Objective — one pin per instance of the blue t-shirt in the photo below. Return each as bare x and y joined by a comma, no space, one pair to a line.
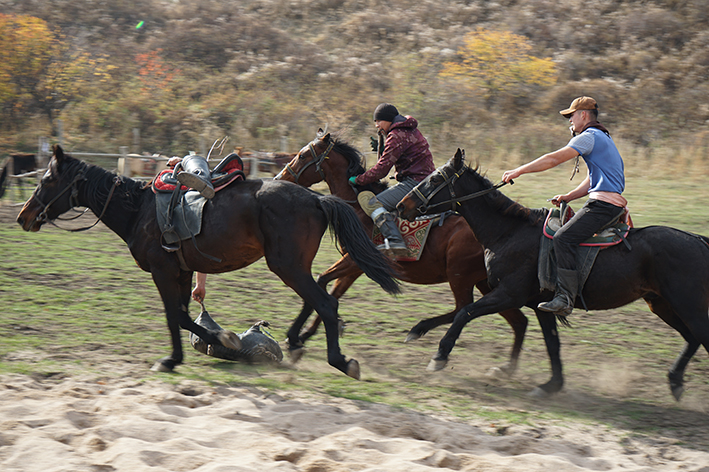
604,163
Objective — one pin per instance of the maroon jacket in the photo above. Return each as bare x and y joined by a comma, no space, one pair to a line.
407,150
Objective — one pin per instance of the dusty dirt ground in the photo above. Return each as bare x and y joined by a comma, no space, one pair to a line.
600,386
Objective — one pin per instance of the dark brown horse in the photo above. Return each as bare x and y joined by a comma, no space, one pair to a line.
666,267
451,253
242,223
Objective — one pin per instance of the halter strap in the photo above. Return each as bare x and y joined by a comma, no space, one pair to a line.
449,180
317,159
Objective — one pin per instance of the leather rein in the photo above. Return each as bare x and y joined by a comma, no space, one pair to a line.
449,181
73,201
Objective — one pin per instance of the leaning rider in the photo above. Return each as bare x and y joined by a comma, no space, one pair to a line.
402,146
604,184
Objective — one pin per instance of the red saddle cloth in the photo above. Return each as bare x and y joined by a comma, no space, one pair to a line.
414,233
233,170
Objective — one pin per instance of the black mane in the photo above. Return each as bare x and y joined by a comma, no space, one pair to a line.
355,166
504,204
99,182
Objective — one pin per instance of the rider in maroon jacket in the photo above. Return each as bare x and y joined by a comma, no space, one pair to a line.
402,146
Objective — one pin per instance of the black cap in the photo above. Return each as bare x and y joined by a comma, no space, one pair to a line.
385,112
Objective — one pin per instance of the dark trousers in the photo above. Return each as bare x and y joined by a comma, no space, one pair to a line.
590,219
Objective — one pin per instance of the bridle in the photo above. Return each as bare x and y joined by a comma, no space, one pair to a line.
317,160
449,181
73,202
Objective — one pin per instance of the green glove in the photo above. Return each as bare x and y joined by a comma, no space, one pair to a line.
352,180
374,142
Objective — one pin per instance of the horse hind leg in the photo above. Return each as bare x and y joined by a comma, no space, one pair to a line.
675,376
341,285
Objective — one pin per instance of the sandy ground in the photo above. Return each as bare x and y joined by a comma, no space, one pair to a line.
80,424
132,422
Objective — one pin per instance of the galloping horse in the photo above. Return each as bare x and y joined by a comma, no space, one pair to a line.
666,267
451,254
242,223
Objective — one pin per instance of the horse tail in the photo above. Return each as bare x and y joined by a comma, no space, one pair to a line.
350,235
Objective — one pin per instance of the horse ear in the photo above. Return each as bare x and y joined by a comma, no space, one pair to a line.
58,152
320,132
326,138
459,157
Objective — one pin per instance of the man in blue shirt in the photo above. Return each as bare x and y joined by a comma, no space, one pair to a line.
604,185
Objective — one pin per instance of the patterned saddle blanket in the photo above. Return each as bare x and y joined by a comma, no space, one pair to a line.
415,234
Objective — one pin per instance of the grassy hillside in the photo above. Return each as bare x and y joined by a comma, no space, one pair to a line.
257,70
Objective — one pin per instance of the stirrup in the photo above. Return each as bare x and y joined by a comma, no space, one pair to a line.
196,182
555,305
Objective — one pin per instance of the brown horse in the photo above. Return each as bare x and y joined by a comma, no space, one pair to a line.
452,254
245,221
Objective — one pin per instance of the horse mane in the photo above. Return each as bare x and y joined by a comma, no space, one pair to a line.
355,166
504,204
99,182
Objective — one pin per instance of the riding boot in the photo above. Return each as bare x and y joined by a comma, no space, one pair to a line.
567,284
196,175
393,241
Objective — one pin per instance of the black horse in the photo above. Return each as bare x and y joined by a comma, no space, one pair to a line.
242,223
666,267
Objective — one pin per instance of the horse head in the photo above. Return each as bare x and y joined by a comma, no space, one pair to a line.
435,191
312,156
55,194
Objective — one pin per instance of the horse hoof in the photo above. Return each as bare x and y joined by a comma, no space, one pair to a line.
230,340
412,337
436,365
677,392
539,393
296,354
160,367
353,369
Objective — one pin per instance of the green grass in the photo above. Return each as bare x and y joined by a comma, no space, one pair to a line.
76,303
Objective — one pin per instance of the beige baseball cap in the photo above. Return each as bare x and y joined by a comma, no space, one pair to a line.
581,103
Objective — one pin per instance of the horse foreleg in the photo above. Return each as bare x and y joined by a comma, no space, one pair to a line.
547,321
518,322
341,285
175,293
495,301
461,282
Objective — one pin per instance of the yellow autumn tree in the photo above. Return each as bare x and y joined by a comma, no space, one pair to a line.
499,62
40,71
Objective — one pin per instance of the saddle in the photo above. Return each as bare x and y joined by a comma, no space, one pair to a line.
228,170
170,196
614,233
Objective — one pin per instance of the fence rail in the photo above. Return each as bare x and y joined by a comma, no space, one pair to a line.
135,166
